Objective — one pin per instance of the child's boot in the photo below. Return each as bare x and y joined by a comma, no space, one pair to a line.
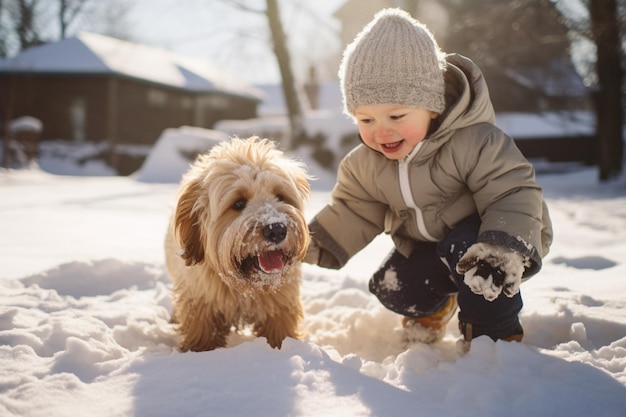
513,332
431,328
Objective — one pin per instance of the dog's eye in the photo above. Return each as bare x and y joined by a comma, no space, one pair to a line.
240,204
280,197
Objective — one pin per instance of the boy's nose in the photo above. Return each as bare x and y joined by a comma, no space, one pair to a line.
383,131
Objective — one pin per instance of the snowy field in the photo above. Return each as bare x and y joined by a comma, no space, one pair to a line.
85,305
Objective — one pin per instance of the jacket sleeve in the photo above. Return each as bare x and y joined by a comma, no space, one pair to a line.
507,197
351,221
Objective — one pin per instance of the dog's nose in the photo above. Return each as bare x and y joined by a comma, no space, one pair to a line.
275,232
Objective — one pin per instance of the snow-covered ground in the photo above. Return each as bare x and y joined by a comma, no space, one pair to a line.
85,305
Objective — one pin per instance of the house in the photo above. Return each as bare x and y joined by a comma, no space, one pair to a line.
96,88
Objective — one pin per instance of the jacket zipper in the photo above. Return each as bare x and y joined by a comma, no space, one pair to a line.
407,195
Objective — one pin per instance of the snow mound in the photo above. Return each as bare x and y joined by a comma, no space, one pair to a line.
111,350
174,151
90,279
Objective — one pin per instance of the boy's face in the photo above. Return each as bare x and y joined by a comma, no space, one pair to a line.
393,129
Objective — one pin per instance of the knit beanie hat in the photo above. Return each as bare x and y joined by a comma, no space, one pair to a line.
395,59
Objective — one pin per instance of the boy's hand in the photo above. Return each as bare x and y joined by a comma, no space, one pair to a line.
491,269
313,253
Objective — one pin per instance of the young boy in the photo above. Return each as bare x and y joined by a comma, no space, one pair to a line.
459,200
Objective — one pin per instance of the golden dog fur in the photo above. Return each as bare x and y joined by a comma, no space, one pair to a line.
235,243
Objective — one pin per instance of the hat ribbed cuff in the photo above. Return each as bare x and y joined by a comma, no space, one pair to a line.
426,97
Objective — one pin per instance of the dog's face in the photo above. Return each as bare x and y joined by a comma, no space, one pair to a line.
241,211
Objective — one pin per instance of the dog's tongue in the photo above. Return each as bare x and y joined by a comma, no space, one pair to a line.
271,261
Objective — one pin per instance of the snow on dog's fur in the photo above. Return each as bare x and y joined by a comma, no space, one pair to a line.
235,243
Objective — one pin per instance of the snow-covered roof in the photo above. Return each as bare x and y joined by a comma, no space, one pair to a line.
558,78
546,124
90,53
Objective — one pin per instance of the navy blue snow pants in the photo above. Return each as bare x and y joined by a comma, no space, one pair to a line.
421,284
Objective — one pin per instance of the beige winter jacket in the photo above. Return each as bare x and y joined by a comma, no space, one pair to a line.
466,166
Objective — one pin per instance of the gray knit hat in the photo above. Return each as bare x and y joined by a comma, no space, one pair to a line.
395,59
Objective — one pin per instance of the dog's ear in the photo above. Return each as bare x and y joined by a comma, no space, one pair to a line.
187,225
303,186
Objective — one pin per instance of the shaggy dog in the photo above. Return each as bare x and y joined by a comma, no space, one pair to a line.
235,243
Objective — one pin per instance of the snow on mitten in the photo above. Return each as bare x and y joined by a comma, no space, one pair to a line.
491,269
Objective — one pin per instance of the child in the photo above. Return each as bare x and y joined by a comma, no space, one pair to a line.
456,195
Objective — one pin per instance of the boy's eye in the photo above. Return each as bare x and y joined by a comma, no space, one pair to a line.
366,121
397,117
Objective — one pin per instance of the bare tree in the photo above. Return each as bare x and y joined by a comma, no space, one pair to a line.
605,32
24,15
25,23
522,47
3,30
69,10
279,41
283,58
603,26
504,37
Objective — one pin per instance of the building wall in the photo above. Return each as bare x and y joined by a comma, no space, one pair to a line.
100,108
54,100
144,110
212,108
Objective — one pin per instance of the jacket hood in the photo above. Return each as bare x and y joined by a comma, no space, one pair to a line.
467,103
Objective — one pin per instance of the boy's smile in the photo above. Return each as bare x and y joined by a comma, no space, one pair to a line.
392,147
393,129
